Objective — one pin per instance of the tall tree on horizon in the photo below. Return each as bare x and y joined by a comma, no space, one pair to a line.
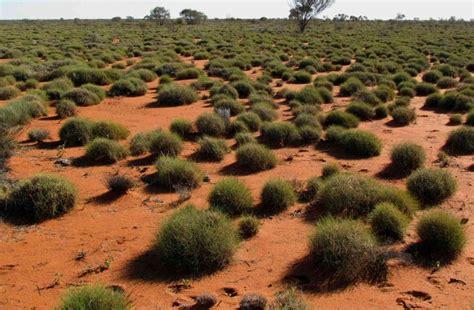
159,14
304,10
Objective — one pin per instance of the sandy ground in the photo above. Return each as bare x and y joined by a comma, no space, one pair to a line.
39,263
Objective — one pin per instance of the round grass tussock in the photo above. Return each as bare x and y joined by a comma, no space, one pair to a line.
231,196
407,157
94,297
174,173
82,97
76,131
196,242
164,143
182,127
360,143
330,170
341,118
351,86
251,120
255,157
461,141
277,195
175,95
431,186
248,226
362,110
403,116
109,130
211,124
388,223
105,151
129,87
212,149
66,108
41,197
442,237
280,134
242,138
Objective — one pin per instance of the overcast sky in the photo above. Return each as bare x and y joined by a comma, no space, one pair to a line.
91,9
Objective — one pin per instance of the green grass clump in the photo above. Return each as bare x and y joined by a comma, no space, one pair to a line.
41,197
403,116
140,144
212,149
97,90
346,251
431,186
425,89
66,108
109,130
455,119
309,96
277,195
407,157
432,76
330,170
341,118
175,95
248,226
8,92
289,299
82,97
470,118
251,120
311,189
94,297
280,134
188,74
196,242
233,106
38,135
57,88
360,143
174,173
254,157
76,131
264,111
461,141
164,143
301,77
388,223
105,150
182,127
244,88
211,124
143,74
351,86
129,87
361,110
442,237
231,196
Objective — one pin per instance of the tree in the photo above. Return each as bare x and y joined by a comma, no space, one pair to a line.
304,10
192,17
116,19
400,17
159,14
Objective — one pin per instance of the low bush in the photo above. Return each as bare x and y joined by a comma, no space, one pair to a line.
309,95
82,97
182,127
196,242
94,297
446,82
432,76
309,135
174,173
66,108
129,87
433,101
384,93
403,116
301,77
442,237
225,89
231,197
311,189
119,183
8,92
97,90
243,138
280,134
346,251
431,186
243,88
461,140
253,302
206,300
109,130
387,222
211,124
455,119
212,149
381,111
341,118
265,112
188,74
288,299
164,143
38,135
360,143
255,157
277,195
334,133
175,95
362,110
330,170
425,89
470,118
232,105
140,144
143,74
105,150
407,157
57,88
76,131
351,86
41,197
248,226
251,120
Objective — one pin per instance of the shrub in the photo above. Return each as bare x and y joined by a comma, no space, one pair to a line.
360,143
105,150
66,108
265,112
109,130
280,134
84,75
362,110
288,299
243,88
182,127
431,186
470,118
433,101
330,170
351,86
76,131
196,242
346,251
425,89
8,92
243,138
305,119
248,226
309,134
311,189
341,118
455,119
253,302
231,197
119,183
255,157
334,133
309,95
57,88
212,149
140,144
175,94
461,140
211,124
251,120
174,173
407,92
442,237
95,297
407,157
97,90
384,93
403,116
446,82
225,89
277,195
165,144
206,300
129,87
381,111
432,76
41,197
387,222
301,77
143,74
82,97
233,106
38,135
188,74
28,84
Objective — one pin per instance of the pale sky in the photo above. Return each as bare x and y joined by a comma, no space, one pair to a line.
95,9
